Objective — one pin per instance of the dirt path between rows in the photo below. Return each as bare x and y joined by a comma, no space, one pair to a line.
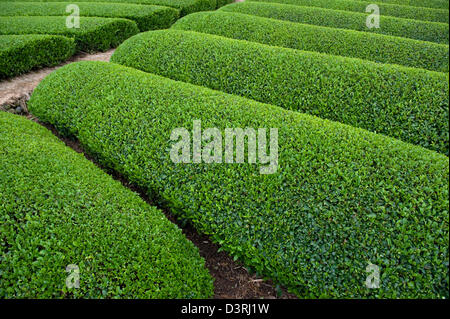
16,91
232,280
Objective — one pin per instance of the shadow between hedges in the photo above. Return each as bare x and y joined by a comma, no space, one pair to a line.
231,279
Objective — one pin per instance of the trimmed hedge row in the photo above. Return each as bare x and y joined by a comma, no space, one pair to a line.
374,47
185,6
394,10
407,28
341,197
94,34
440,4
62,210
405,103
147,17
21,53
221,3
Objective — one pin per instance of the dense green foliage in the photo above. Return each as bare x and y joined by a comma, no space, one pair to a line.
147,17
341,197
21,53
221,3
405,103
442,4
185,6
394,10
407,28
94,33
369,46
57,208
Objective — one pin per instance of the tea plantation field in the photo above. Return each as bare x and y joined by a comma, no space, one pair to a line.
354,175
102,25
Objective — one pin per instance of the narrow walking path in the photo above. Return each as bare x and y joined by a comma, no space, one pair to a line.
232,280
16,91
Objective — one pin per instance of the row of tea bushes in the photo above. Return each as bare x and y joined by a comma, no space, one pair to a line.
221,3
21,53
58,209
340,198
102,25
363,45
147,17
394,10
405,103
94,34
407,28
440,4
185,6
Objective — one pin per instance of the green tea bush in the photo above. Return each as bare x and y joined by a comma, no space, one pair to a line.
21,53
94,34
341,197
369,46
57,209
387,9
406,28
442,4
185,6
147,17
405,103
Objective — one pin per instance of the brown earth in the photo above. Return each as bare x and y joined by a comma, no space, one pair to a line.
16,91
232,280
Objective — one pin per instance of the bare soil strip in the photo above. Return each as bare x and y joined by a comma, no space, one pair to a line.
16,91
232,280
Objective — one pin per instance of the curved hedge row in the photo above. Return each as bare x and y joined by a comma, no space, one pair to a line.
393,10
147,17
341,197
21,53
409,104
221,3
407,28
441,4
374,47
61,210
185,6
94,34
